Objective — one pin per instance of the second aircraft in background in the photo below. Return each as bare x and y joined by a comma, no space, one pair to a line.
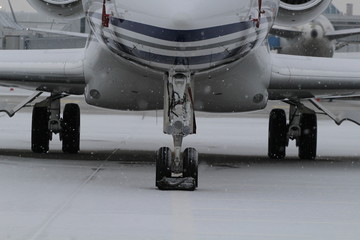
316,38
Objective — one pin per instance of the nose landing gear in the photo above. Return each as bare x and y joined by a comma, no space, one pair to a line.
178,171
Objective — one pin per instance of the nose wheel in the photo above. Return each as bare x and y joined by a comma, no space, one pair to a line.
190,164
168,180
163,162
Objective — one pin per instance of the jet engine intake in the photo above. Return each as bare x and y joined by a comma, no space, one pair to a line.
299,12
63,9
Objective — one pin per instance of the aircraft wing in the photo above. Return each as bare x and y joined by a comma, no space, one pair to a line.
347,55
43,70
342,33
299,77
59,32
285,32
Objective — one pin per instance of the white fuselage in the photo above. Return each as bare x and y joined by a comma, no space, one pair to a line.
213,40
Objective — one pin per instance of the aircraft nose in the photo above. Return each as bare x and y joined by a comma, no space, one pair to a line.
181,20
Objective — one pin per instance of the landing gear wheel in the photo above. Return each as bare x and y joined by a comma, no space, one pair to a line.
163,163
71,129
277,134
190,164
308,138
40,134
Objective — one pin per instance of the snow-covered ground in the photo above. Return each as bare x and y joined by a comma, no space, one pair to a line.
107,191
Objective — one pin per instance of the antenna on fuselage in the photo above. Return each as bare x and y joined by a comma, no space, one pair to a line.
260,11
105,17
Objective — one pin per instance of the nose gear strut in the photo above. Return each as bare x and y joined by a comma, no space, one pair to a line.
178,171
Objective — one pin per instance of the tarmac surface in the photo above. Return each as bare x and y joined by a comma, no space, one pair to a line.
107,191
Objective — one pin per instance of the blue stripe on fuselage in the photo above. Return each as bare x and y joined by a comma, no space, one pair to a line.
178,35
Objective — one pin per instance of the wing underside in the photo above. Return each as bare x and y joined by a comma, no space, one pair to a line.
298,77
285,32
43,70
342,33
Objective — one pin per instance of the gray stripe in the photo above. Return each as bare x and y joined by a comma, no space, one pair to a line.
168,58
259,35
156,66
205,47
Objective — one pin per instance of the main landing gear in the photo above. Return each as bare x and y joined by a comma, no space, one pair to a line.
178,171
46,121
302,128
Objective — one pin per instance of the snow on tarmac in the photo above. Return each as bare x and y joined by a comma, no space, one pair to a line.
107,191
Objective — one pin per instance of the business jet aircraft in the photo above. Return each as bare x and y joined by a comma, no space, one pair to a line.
316,38
182,56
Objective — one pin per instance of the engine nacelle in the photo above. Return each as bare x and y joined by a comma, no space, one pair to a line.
64,9
298,12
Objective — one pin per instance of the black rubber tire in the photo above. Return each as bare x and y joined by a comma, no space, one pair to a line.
71,128
163,164
40,134
308,138
277,134
190,164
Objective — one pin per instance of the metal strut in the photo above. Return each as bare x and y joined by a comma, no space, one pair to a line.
179,116
10,111
178,171
53,105
295,112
